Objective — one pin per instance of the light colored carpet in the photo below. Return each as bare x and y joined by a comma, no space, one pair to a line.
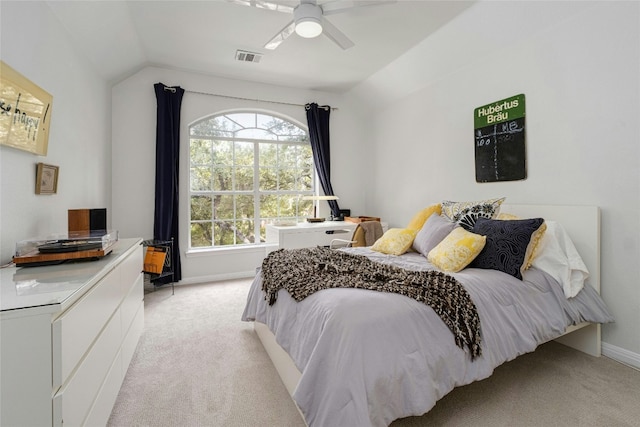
197,364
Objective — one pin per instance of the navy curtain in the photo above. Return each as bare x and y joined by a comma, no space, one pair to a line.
165,220
318,123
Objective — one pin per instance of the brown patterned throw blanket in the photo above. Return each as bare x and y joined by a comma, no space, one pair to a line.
302,272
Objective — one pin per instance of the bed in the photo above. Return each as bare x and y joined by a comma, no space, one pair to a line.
365,358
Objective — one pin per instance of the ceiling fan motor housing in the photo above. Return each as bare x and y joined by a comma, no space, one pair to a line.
308,14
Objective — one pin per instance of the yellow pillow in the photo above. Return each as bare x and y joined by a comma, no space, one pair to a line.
507,216
421,217
395,241
534,244
457,250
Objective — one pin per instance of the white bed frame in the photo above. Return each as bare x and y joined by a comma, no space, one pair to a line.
582,223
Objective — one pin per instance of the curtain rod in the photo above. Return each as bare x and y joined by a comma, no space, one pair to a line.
249,99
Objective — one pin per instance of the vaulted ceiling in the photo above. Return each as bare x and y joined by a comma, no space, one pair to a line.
122,37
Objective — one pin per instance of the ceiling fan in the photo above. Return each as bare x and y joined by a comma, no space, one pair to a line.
309,18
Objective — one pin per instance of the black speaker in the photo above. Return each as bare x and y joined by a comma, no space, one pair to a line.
98,220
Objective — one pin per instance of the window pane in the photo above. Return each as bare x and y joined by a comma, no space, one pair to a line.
200,179
282,128
269,206
244,153
268,179
223,233
244,207
243,120
306,157
293,138
287,179
222,179
223,207
244,232
200,152
287,155
287,205
222,123
201,208
263,230
255,134
266,122
305,208
200,234
305,180
223,152
295,130
244,179
268,154
207,128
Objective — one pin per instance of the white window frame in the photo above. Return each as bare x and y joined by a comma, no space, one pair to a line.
256,192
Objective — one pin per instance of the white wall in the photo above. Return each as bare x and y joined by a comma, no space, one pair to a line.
33,43
134,121
578,65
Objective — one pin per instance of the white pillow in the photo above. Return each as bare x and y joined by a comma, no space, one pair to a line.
557,256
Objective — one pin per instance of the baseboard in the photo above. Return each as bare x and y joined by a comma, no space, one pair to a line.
621,355
217,277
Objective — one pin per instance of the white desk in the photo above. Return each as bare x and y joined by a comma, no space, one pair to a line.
309,234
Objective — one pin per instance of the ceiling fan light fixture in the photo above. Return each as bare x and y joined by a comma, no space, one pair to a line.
308,28
307,17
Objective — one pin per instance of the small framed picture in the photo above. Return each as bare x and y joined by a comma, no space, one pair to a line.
46,179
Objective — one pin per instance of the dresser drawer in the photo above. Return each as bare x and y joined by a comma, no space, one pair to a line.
131,302
130,341
101,410
74,400
131,269
309,235
312,238
75,331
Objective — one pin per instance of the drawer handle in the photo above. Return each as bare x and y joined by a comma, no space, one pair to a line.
336,231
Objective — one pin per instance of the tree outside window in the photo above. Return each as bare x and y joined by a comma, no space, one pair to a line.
247,169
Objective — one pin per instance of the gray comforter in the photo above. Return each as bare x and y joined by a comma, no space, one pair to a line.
368,358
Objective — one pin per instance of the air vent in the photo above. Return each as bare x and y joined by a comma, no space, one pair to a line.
244,56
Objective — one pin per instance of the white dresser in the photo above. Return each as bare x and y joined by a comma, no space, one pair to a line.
67,335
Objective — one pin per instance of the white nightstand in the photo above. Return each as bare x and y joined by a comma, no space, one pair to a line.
308,234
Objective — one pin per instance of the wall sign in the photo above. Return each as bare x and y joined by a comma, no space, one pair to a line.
500,140
25,112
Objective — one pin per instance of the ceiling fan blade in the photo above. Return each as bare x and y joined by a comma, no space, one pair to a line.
337,36
263,4
334,7
281,36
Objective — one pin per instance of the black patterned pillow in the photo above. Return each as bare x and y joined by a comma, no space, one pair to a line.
466,213
508,244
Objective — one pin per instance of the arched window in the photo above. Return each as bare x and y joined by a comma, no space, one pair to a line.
246,169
